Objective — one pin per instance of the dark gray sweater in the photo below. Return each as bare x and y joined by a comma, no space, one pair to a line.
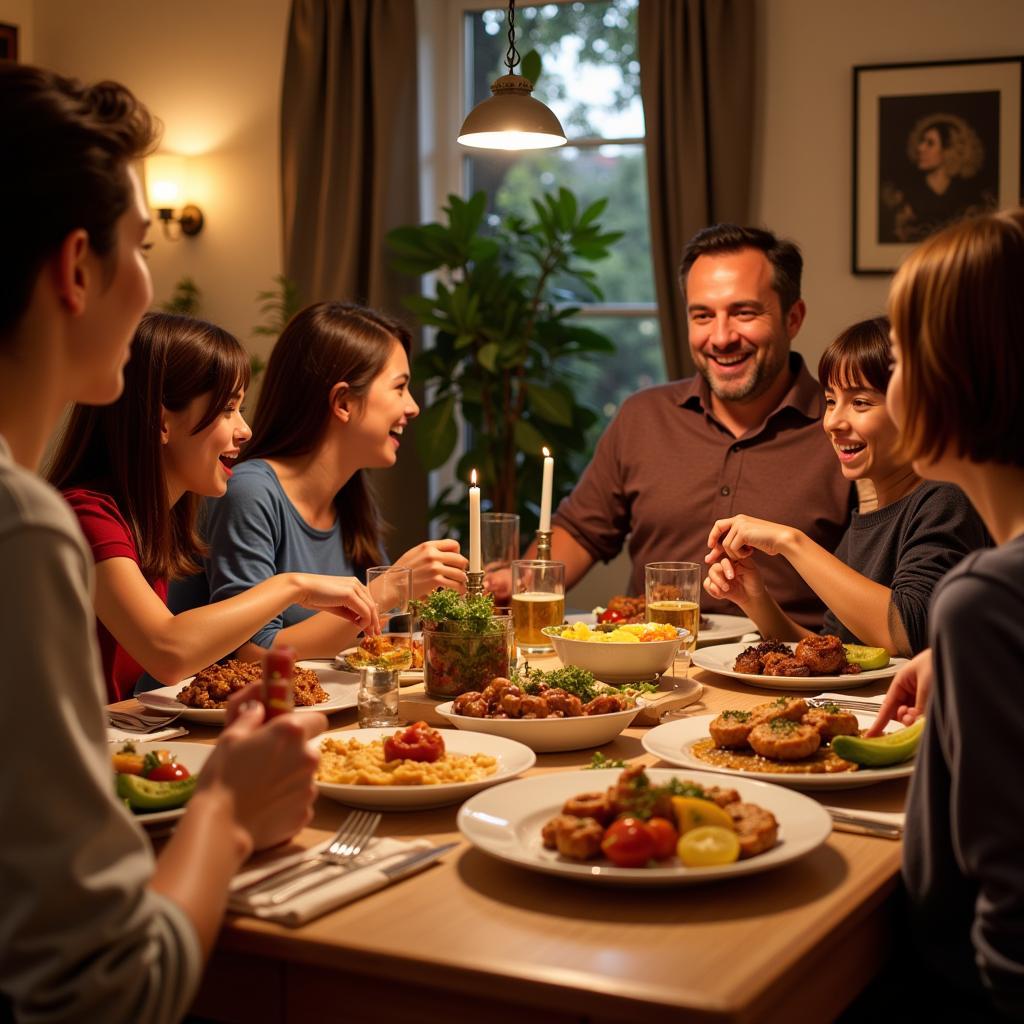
963,855
909,546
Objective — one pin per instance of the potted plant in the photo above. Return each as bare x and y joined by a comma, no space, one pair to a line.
503,316
465,645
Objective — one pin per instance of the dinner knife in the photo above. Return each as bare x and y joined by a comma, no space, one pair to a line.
374,876
864,826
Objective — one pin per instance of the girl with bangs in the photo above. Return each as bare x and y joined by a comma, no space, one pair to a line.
878,583
335,402
135,472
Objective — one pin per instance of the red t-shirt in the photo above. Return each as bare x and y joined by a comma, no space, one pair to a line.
109,537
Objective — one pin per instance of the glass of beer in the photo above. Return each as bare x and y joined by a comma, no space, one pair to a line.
538,600
673,596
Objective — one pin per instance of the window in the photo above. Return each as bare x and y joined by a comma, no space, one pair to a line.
591,80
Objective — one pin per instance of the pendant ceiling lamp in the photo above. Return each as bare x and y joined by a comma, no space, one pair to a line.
511,119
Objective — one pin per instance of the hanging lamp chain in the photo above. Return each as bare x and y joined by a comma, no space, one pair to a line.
512,54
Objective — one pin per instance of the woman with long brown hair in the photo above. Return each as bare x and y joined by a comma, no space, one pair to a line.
335,402
134,472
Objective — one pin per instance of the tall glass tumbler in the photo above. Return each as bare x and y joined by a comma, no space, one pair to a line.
391,589
499,544
538,600
673,596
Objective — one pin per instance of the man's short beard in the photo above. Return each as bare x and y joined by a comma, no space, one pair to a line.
760,381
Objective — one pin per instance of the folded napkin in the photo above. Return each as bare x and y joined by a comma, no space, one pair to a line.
895,818
123,736
334,888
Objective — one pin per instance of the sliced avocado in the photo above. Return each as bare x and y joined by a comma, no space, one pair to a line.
879,751
866,658
146,795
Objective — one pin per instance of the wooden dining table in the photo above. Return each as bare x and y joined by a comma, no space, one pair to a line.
476,939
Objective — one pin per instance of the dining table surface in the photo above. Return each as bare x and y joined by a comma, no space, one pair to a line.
475,938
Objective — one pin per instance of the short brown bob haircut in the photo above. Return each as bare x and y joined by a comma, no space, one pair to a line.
957,312
861,355
116,448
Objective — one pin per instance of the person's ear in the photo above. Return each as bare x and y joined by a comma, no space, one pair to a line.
341,402
795,318
71,271
165,426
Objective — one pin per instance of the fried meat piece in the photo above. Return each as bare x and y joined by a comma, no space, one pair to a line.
532,707
731,729
831,722
783,707
721,796
605,704
823,655
756,829
751,661
591,805
560,702
576,838
470,704
784,665
782,739
850,670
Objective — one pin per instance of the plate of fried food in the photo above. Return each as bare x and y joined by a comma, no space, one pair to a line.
790,744
807,665
642,826
565,709
401,650
414,768
204,696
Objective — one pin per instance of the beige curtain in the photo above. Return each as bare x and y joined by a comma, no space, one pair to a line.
349,174
697,82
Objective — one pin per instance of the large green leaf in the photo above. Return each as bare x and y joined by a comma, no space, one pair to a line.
549,404
530,66
436,433
528,437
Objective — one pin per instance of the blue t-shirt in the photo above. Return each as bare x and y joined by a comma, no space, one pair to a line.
255,532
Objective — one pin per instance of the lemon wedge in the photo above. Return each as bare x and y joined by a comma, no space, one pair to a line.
866,658
693,812
708,846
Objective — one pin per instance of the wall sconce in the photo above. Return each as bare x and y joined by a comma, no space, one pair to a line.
511,119
165,184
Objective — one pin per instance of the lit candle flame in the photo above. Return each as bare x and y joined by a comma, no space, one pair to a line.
547,454
472,479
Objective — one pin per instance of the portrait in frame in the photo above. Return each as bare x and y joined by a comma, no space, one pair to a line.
932,142
8,42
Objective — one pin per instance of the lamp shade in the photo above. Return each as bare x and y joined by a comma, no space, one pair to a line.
165,181
511,119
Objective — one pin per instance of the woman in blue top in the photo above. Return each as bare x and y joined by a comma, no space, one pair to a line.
335,402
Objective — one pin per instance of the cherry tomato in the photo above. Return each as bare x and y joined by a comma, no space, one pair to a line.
169,772
418,743
628,843
610,615
665,837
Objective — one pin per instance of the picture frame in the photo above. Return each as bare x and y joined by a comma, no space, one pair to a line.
8,42
932,142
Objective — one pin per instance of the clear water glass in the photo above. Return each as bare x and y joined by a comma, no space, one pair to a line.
377,700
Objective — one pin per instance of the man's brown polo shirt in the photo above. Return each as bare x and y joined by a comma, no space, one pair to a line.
665,470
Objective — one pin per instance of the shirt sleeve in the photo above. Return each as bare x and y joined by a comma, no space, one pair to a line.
943,529
104,527
598,513
978,652
83,938
243,531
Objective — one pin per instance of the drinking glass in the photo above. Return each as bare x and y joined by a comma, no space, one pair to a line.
391,588
538,600
673,596
377,699
499,548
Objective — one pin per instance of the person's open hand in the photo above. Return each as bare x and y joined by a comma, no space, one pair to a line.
908,693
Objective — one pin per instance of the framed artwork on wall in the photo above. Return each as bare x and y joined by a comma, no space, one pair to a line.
8,42
932,142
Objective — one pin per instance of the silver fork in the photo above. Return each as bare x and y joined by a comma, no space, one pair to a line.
131,721
847,704
347,843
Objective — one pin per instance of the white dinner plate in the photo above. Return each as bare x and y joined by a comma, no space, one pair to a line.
513,758
506,822
192,755
547,734
341,689
672,742
722,657
722,628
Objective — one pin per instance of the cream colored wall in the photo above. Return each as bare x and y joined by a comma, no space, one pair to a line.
22,14
211,70
803,177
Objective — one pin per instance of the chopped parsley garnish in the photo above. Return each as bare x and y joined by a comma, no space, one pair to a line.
737,716
600,761
783,725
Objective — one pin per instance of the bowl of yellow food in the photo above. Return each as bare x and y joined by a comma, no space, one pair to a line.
636,652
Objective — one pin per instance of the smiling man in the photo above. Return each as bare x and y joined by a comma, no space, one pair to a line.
744,434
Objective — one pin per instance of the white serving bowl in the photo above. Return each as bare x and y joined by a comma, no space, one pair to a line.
547,734
617,662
